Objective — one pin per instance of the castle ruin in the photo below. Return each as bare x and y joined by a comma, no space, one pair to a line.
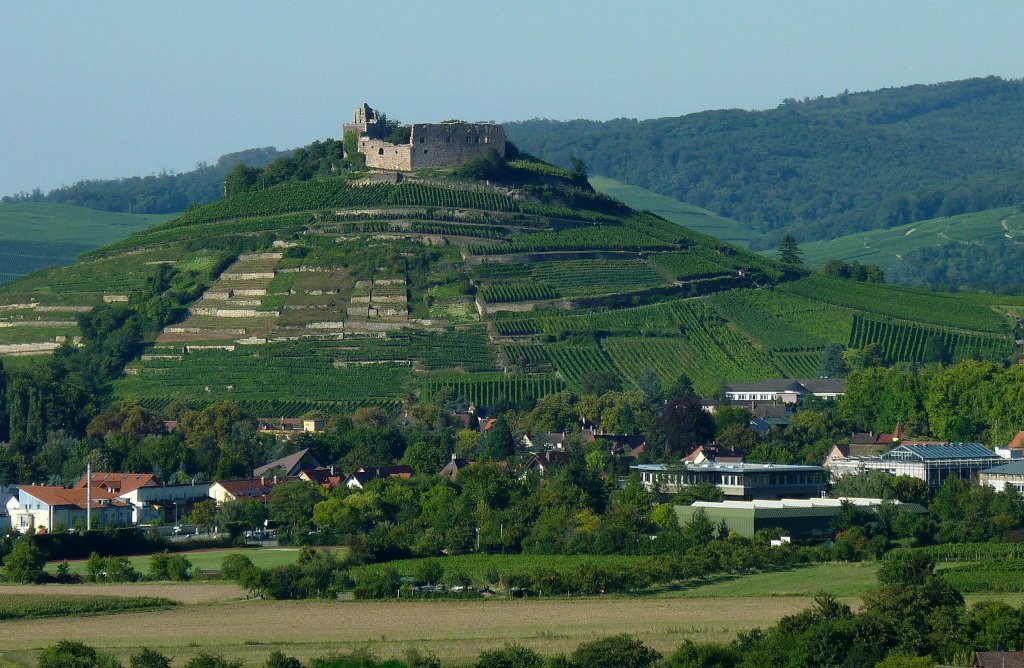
446,144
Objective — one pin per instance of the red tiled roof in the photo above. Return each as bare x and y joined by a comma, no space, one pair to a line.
119,483
61,496
1018,441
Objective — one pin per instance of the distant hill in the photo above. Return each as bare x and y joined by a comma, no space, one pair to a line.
37,235
159,193
817,168
344,291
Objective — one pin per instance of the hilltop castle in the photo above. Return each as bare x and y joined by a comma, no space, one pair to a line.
445,144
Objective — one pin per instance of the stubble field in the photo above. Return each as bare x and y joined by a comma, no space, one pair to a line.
454,630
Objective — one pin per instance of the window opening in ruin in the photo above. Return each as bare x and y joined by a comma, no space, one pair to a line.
487,140
380,151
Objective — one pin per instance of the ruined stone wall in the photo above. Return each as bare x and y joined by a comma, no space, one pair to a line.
450,144
430,145
385,155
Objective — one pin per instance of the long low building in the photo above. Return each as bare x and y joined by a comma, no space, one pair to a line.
1001,477
739,480
797,518
932,462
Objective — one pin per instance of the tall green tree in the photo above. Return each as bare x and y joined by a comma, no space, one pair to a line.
25,562
789,250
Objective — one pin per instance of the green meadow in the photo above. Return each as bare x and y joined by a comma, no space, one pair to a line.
37,235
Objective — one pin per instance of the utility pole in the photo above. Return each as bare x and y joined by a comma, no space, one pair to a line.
88,497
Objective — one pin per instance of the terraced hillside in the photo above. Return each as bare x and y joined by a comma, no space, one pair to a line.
346,292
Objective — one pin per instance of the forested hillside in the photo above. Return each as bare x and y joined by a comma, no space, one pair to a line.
158,193
818,168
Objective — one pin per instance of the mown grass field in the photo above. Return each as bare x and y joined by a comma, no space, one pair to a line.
684,214
206,560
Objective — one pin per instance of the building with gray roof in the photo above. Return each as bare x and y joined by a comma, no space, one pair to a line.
933,462
1000,477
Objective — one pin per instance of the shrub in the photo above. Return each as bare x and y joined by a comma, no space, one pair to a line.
704,655
119,569
149,658
279,660
414,658
72,654
430,571
236,566
205,660
621,651
510,656
377,583
167,566
906,567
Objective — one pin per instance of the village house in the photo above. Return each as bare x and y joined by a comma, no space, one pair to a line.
254,489
786,391
326,477
712,454
998,660
39,508
286,428
452,468
1014,449
7,492
148,499
289,466
545,462
359,479
545,440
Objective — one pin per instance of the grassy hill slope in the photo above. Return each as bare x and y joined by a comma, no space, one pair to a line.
915,252
36,235
687,215
338,293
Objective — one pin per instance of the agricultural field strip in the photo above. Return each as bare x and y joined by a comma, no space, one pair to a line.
906,342
956,311
486,389
772,332
311,370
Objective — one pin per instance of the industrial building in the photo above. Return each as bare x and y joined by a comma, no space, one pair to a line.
797,518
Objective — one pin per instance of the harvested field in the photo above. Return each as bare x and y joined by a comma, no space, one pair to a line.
454,630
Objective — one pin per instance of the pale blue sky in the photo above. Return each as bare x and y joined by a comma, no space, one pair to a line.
108,89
